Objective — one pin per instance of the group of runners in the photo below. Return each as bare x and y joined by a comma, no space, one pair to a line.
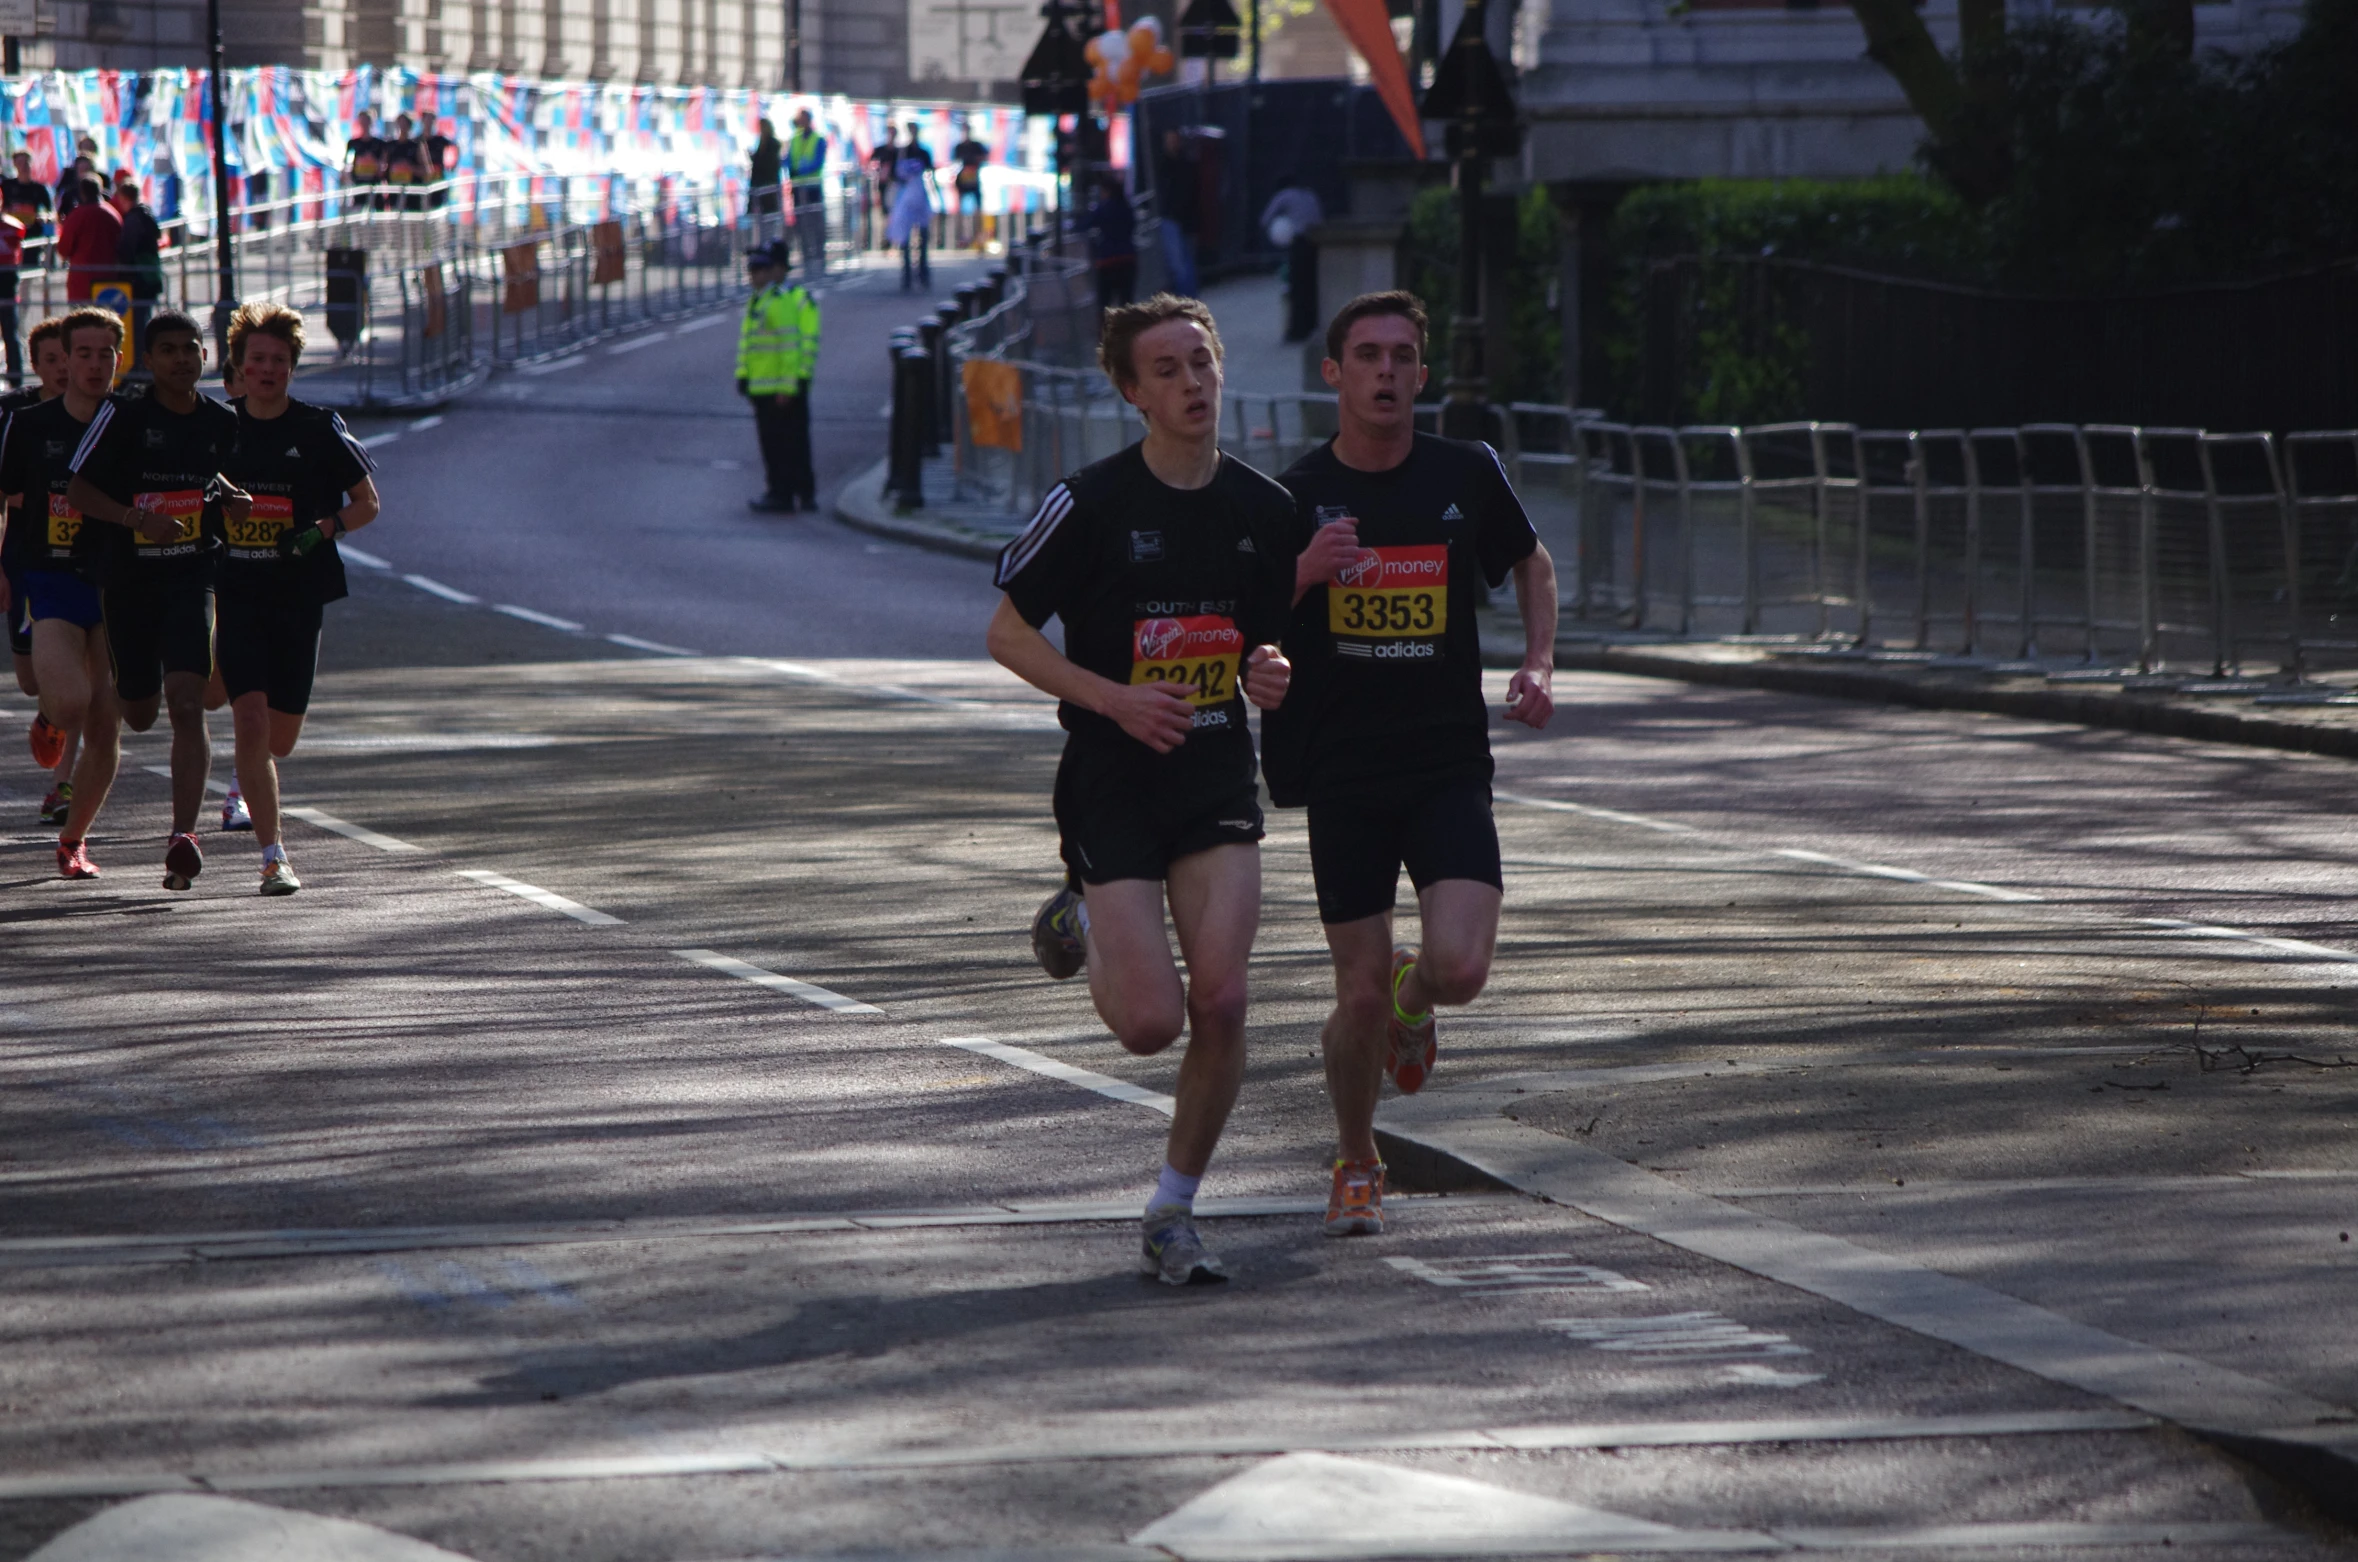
166,553
1340,601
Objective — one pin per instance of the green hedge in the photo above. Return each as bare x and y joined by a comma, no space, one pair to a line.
1533,323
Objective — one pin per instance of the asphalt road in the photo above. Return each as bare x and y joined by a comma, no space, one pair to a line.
647,1139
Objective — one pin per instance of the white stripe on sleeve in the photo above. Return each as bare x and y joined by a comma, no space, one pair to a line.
1017,555
106,415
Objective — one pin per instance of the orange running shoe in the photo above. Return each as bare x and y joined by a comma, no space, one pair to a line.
73,861
182,861
1355,1208
48,742
1414,1049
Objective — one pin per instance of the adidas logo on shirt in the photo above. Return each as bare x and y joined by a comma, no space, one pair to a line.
1245,545
294,454
1453,513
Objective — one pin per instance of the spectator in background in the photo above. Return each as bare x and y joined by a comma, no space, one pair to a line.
139,250
881,162
364,161
167,188
806,172
911,229
12,258
89,239
405,165
970,155
1178,174
1113,242
69,189
440,150
1288,218
769,159
26,198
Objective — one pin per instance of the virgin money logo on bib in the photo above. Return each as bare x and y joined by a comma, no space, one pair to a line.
1159,638
1197,655
1365,572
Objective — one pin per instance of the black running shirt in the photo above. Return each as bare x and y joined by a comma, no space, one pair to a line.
1388,659
298,466
1157,584
17,540
140,450
34,452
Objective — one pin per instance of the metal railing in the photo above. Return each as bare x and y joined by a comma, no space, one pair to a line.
2115,548
422,292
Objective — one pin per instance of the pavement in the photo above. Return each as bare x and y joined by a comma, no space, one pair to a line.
1889,1131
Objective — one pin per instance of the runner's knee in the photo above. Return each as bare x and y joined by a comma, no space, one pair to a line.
1453,976
1147,1029
1218,1006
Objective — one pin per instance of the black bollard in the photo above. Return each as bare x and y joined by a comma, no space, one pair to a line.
910,402
944,369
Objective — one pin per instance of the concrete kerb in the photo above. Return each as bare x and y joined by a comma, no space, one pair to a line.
1752,667
1463,1139
861,505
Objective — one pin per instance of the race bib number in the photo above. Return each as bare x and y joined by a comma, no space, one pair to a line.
1196,656
65,522
1396,593
184,505
271,515
364,167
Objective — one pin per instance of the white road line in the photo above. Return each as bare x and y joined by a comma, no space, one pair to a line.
362,558
2291,946
632,346
425,423
320,818
745,971
1875,870
436,588
657,646
1101,1449
538,896
1614,814
1103,1084
698,325
376,440
557,367
532,616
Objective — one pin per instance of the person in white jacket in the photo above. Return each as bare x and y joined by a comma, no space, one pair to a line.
911,227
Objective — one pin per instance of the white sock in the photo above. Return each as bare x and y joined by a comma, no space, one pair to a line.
1174,1187
1081,914
234,795
274,852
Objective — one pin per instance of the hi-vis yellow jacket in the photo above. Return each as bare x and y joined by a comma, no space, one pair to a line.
778,343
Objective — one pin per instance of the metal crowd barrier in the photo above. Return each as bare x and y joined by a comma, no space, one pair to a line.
2119,549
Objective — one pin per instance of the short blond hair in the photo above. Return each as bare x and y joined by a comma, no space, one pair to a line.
1123,327
267,320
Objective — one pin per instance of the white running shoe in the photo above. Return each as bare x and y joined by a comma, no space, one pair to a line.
1173,1253
234,815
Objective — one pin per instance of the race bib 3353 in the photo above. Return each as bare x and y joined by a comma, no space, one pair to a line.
1391,593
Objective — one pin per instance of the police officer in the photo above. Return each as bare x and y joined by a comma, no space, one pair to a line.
806,169
777,350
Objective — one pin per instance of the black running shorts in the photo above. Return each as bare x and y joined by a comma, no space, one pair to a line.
1440,829
270,641
158,627
20,617
1115,821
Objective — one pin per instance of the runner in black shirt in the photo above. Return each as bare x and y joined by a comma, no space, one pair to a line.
46,348
1168,566
149,472
281,567
69,641
1386,735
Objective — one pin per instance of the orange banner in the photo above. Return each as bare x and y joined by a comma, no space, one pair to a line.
1368,26
994,403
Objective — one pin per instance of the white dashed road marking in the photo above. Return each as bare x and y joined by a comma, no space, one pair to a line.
633,642
436,588
745,971
534,616
1103,1084
322,819
538,896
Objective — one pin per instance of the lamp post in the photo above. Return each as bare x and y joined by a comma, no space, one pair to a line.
225,286
1056,83
1470,95
793,45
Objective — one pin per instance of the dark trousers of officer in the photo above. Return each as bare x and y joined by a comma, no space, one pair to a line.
783,424
16,351
810,230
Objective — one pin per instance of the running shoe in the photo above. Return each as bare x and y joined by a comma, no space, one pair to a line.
278,877
48,742
182,862
1173,1253
73,862
58,803
1414,1050
1355,1208
233,813
1056,935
